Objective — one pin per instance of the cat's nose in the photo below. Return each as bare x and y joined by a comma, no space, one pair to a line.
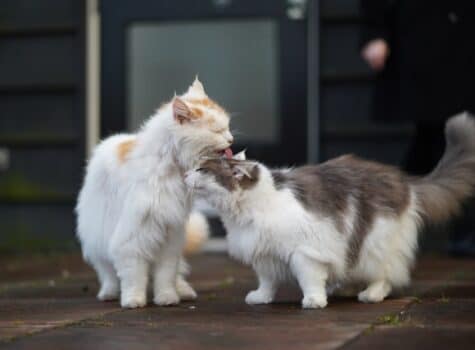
229,137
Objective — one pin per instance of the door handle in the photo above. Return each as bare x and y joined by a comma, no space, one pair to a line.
222,3
296,9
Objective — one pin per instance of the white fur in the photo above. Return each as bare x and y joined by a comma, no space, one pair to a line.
271,231
131,214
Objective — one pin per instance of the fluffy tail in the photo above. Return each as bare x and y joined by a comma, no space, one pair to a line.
441,193
197,232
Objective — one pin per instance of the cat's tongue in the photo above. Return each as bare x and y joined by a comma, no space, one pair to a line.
228,153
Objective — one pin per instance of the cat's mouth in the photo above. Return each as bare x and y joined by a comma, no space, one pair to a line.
226,153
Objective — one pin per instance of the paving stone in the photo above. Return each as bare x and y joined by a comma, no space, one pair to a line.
59,311
168,334
417,338
29,316
443,312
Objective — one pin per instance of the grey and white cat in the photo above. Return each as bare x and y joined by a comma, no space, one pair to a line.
345,221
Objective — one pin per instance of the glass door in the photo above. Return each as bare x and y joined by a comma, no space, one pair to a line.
250,55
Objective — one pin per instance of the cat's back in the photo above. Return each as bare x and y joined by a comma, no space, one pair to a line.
329,185
350,171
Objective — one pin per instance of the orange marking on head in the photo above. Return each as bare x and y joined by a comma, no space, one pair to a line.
197,112
208,103
124,149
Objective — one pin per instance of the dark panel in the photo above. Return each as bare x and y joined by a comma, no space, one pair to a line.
389,151
36,228
37,115
41,173
38,61
346,102
293,66
339,9
24,15
341,53
42,118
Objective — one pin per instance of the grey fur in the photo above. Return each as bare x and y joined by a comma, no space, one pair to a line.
440,194
374,189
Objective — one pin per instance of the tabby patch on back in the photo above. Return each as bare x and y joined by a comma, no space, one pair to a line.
345,184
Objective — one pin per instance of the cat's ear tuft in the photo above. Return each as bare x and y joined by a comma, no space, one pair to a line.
197,87
181,112
240,156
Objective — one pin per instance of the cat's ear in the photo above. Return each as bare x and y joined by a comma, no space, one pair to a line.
181,112
240,156
244,170
198,86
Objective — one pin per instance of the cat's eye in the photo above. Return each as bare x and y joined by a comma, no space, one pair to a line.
200,170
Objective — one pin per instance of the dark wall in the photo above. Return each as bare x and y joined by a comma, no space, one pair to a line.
41,121
42,112
346,84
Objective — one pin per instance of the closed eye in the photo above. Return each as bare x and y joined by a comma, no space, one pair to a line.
220,131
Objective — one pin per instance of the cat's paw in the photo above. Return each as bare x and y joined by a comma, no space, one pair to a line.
371,296
107,293
258,297
134,301
314,301
185,291
167,298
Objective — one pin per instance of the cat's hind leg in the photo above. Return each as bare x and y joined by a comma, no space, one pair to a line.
109,282
375,292
183,288
268,284
311,276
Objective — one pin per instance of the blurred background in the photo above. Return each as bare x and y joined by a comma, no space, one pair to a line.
74,71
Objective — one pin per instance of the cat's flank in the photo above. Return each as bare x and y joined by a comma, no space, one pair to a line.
345,221
133,206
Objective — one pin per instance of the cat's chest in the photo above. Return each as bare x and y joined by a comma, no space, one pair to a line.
242,243
170,196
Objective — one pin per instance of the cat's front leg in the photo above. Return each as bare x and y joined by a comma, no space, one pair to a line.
166,270
133,275
311,276
268,284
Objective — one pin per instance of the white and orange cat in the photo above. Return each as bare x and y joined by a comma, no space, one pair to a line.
346,221
133,206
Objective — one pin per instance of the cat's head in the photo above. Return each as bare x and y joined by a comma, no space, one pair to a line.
221,181
201,126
